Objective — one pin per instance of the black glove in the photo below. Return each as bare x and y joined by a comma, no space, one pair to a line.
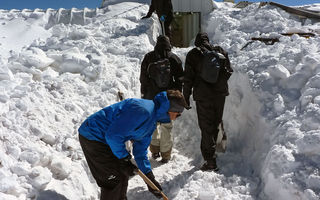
188,103
154,192
127,167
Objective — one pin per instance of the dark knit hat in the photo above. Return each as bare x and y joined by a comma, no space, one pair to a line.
177,101
202,39
163,44
175,106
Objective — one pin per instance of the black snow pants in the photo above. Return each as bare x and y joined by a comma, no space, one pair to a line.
104,166
209,117
167,28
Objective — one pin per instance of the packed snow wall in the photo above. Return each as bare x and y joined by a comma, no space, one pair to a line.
273,104
51,82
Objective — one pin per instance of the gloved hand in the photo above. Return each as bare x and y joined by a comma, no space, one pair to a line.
188,103
154,192
163,18
127,167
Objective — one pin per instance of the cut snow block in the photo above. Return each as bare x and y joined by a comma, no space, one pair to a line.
21,168
61,168
278,104
5,74
48,138
31,157
35,57
40,177
309,144
14,151
70,144
74,63
9,184
279,71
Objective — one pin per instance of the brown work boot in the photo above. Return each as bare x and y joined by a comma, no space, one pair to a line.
210,165
166,156
163,160
155,151
155,155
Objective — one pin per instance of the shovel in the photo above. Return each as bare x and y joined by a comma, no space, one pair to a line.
162,27
151,184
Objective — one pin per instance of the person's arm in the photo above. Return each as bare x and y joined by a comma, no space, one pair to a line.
151,10
144,77
177,73
167,10
189,77
225,62
125,121
140,152
227,65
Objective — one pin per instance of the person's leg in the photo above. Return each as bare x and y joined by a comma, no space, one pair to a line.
118,193
124,187
104,167
166,141
206,115
167,28
155,143
218,107
209,117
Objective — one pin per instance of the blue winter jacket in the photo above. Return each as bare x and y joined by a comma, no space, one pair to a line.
131,119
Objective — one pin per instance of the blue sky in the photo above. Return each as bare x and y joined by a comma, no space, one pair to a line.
55,4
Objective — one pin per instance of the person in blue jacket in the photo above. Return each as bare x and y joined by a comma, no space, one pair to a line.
102,137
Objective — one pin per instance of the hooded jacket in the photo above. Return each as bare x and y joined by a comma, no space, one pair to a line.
202,90
131,119
162,50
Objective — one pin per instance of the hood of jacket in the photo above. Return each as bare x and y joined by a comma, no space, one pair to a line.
162,105
202,40
163,45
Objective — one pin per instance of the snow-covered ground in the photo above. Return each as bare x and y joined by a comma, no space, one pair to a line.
54,74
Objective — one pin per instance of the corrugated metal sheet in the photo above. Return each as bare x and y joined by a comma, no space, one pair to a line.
185,27
203,6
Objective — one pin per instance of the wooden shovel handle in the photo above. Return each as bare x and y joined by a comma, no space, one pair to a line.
151,184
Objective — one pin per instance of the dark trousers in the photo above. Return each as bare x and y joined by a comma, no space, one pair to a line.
104,166
209,117
167,28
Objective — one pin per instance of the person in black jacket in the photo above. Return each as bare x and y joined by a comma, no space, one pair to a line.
209,97
164,11
161,142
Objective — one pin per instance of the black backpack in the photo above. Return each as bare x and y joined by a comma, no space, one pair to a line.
210,66
159,71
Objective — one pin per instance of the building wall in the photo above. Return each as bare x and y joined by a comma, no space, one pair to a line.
202,6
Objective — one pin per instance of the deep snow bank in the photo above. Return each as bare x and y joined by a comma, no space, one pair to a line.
274,121
49,87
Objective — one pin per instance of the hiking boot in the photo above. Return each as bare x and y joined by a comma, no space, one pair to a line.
210,165
163,160
155,155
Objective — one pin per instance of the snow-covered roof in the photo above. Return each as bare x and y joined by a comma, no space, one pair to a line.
203,6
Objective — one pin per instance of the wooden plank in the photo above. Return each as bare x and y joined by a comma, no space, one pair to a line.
297,11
